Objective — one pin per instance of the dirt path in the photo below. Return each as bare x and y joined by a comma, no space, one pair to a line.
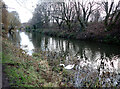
5,82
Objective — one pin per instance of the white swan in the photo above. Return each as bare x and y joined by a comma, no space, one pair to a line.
68,66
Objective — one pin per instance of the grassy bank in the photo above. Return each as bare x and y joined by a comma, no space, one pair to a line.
94,32
40,71
28,71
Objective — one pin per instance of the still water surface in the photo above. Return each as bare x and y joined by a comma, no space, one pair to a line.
84,59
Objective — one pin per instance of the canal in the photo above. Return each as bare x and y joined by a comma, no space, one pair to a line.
84,60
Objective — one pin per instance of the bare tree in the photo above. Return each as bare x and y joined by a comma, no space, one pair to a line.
4,17
64,12
83,11
41,15
68,13
13,21
57,13
96,15
112,13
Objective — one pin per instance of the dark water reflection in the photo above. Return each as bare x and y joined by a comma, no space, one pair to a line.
90,58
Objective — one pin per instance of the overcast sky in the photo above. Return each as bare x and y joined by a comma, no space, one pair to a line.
26,7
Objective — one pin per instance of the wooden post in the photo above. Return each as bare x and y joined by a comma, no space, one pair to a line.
0,44
5,18
0,18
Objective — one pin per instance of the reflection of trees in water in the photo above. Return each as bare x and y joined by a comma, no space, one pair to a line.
46,43
106,71
74,48
15,38
88,57
36,40
108,64
86,52
29,35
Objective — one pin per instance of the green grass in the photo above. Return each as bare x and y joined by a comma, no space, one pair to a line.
23,75
22,78
21,71
0,57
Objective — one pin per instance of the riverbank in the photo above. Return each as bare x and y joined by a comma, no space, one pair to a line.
94,32
40,70
23,70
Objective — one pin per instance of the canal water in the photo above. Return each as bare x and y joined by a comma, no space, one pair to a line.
86,61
